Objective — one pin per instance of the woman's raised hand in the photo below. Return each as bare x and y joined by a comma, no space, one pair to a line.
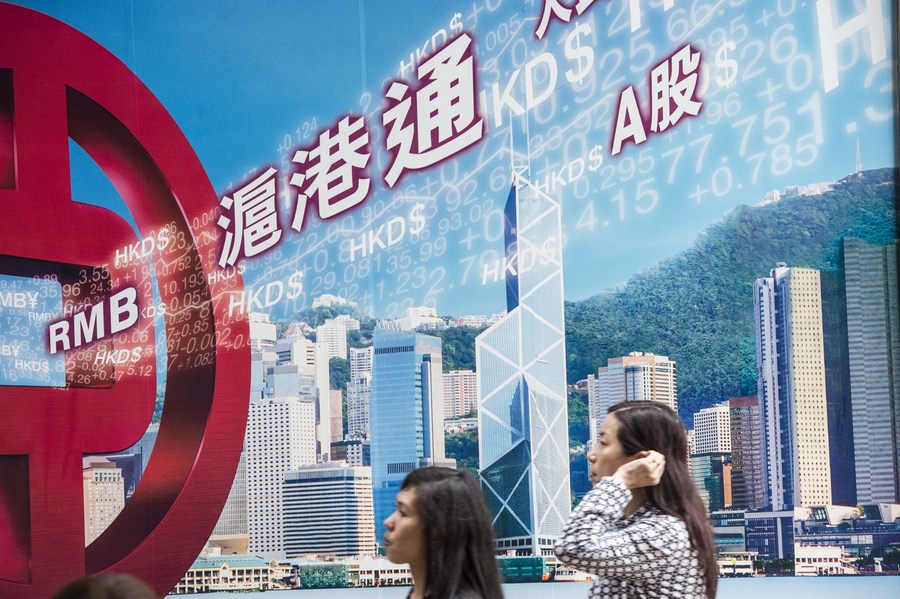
644,471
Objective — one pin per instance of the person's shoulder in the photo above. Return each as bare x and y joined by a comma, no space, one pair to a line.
653,516
651,511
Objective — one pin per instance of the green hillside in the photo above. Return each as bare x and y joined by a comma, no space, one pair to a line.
697,307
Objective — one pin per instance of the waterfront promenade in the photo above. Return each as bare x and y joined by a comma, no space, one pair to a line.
835,587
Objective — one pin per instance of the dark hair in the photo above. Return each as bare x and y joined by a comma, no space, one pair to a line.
459,540
106,586
645,425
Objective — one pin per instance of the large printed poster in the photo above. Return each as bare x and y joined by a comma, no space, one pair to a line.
689,201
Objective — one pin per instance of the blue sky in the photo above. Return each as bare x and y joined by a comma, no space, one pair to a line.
240,77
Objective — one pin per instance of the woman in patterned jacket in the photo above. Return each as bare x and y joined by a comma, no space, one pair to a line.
441,528
642,528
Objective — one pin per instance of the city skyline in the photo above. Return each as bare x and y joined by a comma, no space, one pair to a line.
710,472
292,364
274,217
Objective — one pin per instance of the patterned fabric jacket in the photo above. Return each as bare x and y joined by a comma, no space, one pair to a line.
647,554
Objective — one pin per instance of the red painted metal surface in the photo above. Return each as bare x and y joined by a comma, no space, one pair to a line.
66,85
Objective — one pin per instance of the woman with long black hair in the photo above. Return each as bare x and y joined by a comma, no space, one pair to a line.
442,529
642,528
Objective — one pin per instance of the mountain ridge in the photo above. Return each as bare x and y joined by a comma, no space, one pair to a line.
697,307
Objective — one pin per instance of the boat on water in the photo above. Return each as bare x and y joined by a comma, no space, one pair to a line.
567,574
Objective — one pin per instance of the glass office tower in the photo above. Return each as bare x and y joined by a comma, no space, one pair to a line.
406,413
522,409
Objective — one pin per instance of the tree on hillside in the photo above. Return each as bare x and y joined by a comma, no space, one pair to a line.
458,347
697,307
463,447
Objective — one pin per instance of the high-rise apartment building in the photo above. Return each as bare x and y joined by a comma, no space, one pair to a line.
460,393
131,465
104,495
747,480
328,511
712,429
791,387
639,376
521,366
333,336
280,437
233,519
594,419
406,411
873,329
262,337
710,462
359,390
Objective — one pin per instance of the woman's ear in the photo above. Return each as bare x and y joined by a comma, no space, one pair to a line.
637,456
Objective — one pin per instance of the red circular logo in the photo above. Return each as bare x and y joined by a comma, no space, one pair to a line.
56,84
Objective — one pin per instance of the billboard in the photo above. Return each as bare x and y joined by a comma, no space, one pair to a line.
177,178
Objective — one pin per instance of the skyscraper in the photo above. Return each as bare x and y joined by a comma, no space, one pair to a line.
104,495
233,527
333,335
521,365
280,437
359,392
287,380
746,454
297,350
791,387
639,376
406,411
323,406
711,465
310,359
711,473
336,417
873,327
837,387
712,429
232,522
328,510
460,393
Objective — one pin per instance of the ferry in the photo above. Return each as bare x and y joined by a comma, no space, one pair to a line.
567,574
